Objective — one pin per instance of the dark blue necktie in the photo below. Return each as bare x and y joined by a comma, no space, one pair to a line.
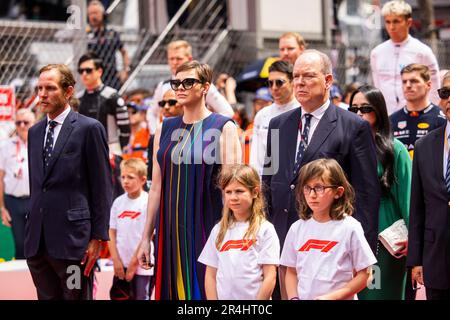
303,143
48,148
447,174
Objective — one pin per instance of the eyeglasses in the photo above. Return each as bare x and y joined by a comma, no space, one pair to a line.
187,83
278,83
365,108
318,190
87,70
171,102
20,122
132,110
444,93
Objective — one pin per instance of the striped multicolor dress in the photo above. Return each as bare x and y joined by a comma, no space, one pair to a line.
191,204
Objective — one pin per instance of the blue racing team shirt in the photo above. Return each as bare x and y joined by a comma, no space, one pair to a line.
409,126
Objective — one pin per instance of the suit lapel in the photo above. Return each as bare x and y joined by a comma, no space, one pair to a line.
292,127
438,149
38,148
64,134
326,125
324,128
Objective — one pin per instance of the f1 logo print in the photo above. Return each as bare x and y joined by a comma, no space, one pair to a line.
243,245
322,245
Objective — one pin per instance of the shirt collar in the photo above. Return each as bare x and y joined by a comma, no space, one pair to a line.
61,117
319,112
401,44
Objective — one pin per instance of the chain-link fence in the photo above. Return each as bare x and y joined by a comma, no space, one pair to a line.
27,46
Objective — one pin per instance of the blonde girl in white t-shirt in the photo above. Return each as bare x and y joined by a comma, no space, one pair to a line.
326,253
242,251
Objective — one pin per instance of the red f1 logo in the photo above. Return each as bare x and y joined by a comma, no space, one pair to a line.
129,214
322,245
243,244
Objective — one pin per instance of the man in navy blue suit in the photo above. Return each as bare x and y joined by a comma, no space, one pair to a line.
70,185
319,129
429,219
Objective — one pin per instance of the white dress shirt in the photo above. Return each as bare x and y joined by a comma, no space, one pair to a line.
446,147
60,120
261,129
316,116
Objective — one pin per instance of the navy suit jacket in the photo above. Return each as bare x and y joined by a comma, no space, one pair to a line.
71,201
340,135
429,218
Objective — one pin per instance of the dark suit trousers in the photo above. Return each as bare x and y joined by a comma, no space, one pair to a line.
57,279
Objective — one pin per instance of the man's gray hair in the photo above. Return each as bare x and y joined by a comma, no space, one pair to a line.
325,61
98,4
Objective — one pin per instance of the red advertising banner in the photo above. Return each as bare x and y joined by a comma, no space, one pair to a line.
7,103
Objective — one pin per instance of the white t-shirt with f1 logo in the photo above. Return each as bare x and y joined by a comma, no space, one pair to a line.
325,254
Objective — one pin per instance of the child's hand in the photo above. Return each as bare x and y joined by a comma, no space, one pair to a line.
131,271
118,269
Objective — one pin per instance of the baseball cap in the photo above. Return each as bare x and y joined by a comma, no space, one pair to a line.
335,92
263,93
137,107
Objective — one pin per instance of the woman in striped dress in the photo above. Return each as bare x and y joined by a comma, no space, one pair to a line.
184,200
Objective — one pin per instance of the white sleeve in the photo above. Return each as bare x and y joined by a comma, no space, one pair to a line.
361,254
114,213
154,109
257,146
210,254
289,253
270,246
2,158
431,61
218,103
373,68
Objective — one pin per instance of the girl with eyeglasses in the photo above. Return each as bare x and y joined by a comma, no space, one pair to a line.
394,174
184,200
326,253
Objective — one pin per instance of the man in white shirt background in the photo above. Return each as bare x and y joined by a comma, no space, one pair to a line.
14,183
179,52
388,58
281,87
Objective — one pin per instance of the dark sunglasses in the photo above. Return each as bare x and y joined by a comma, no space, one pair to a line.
365,108
87,70
444,93
20,122
187,83
132,110
278,83
171,102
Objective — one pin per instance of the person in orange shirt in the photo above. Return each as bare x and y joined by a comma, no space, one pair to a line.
140,134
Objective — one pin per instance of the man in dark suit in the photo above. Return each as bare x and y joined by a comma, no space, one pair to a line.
319,130
70,185
429,219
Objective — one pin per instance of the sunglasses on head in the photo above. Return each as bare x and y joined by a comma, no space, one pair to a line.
87,70
444,93
20,122
365,108
278,83
171,102
187,83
